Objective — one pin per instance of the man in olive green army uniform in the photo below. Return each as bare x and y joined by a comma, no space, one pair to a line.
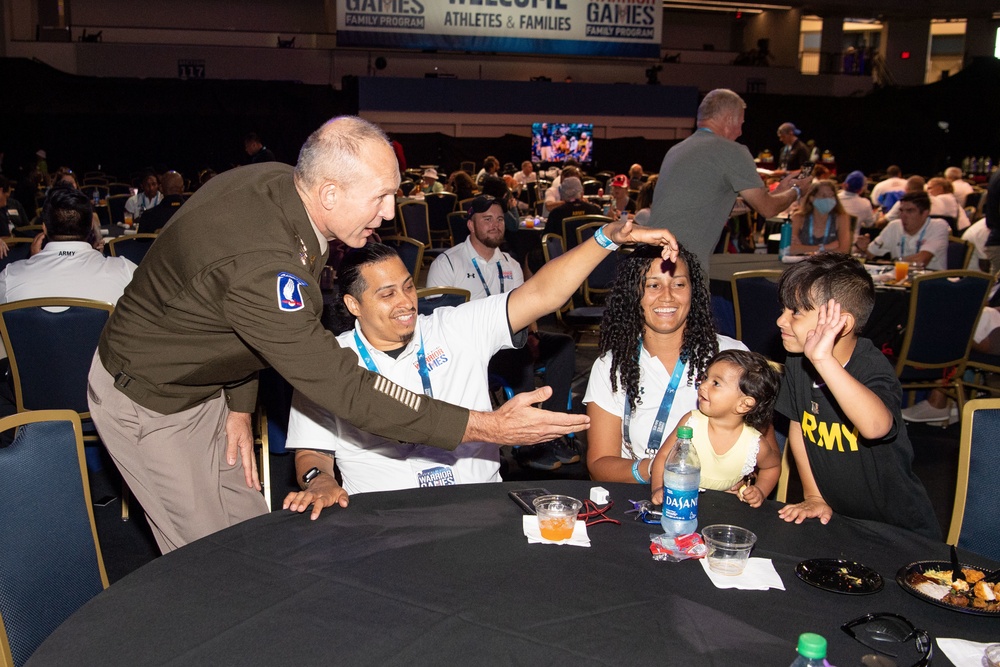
230,287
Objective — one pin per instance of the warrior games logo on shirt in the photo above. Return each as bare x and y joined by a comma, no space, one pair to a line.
289,296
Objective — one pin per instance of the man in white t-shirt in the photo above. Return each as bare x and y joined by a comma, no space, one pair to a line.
961,188
478,265
944,202
148,197
852,201
894,181
915,237
444,354
68,265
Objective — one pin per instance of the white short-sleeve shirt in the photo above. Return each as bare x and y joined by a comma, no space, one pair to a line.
653,381
458,343
932,237
66,269
499,274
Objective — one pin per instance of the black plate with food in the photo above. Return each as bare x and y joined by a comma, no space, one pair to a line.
839,576
930,580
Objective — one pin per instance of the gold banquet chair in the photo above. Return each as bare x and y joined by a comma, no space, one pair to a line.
50,344
50,557
977,490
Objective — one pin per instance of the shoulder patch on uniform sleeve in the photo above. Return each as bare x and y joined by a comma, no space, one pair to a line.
289,296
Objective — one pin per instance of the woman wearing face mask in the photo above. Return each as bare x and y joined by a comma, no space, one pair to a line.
821,224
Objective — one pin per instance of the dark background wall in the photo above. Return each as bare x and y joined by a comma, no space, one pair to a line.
128,124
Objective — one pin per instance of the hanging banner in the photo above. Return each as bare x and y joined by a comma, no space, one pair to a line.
624,28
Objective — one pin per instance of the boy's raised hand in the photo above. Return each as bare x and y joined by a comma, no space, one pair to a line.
820,341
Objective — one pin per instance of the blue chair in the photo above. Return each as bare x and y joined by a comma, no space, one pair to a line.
756,306
116,203
431,298
959,253
133,247
981,364
944,309
50,344
18,248
458,224
977,491
410,251
50,558
439,205
598,284
28,231
414,217
576,320
572,223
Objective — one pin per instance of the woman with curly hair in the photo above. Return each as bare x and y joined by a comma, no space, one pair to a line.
656,340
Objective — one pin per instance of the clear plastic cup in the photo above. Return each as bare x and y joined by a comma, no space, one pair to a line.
556,516
728,548
902,271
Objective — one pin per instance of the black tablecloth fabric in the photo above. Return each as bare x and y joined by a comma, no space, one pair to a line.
445,575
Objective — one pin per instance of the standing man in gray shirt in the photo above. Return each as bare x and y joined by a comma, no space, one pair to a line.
701,176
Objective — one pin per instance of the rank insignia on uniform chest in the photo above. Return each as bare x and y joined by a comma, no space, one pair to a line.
303,251
814,406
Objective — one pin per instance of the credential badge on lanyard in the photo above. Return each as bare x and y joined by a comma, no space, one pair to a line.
289,295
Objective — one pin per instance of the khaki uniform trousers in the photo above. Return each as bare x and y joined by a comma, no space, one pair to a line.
174,464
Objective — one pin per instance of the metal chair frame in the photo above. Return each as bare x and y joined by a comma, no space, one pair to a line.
53,543
965,463
116,251
399,240
588,319
904,362
969,250
768,274
16,370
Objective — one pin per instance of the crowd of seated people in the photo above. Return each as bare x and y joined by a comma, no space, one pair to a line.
664,306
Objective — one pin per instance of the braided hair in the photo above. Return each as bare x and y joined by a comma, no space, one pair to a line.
624,323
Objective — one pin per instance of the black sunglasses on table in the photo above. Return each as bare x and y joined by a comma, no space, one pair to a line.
889,634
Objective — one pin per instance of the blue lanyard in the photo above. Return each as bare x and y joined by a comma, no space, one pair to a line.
826,232
660,423
422,370
483,280
920,240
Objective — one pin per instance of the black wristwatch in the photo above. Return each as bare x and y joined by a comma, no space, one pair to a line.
310,475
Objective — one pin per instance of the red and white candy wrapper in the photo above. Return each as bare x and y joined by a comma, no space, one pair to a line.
674,549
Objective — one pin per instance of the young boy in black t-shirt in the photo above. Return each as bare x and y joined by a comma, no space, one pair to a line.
847,435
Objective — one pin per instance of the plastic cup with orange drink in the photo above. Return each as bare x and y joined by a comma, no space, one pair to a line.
556,516
902,271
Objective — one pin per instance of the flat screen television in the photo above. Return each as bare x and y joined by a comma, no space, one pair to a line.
555,142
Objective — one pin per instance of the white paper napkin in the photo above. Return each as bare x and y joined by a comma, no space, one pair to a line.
759,575
578,539
963,653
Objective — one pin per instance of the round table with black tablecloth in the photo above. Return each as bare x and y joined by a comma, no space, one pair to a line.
445,575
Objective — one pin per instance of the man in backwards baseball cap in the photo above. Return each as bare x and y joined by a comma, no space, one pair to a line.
852,201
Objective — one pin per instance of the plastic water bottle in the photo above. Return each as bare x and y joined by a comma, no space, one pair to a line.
786,239
812,650
681,477
97,197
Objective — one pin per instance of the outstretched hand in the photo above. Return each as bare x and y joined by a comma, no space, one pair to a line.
518,422
629,232
830,322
